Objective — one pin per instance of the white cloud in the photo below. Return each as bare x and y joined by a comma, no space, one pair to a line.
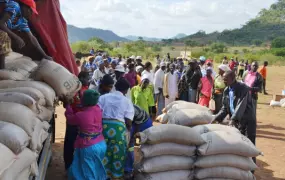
161,18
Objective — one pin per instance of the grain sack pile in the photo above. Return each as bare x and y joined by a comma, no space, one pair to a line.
186,114
168,153
227,154
27,95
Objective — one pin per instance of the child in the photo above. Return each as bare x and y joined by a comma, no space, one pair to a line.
90,146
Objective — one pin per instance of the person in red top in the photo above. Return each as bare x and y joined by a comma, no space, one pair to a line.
232,64
72,130
263,72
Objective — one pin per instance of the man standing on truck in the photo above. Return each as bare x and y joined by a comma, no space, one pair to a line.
14,17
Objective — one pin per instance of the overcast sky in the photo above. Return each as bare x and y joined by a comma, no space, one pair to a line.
161,18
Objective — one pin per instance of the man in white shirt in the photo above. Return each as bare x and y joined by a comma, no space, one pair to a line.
158,88
170,86
118,113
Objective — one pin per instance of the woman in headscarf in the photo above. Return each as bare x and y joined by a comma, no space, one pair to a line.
142,95
90,147
131,75
118,113
205,87
97,75
106,84
219,87
15,17
139,70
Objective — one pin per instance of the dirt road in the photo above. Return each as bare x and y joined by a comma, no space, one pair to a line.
270,135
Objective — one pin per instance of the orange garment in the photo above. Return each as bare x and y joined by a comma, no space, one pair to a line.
139,79
263,72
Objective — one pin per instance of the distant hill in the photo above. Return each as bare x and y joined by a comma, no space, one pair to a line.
84,34
180,35
269,24
135,38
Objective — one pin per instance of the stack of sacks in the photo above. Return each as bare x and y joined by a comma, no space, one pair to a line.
26,106
168,153
186,114
226,155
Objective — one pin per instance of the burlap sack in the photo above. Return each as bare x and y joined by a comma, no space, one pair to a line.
170,133
221,142
169,175
167,149
226,160
224,172
12,136
45,114
201,129
42,87
13,56
189,117
7,158
24,63
24,175
6,74
185,105
24,160
20,98
39,136
34,93
164,163
19,115
58,77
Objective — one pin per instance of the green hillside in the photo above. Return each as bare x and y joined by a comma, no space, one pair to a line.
269,24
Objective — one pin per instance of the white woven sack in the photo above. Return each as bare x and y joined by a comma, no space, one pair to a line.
226,160
168,175
221,142
24,63
6,74
224,172
58,77
201,129
34,93
12,136
24,160
164,163
45,89
170,133
7,158
148,150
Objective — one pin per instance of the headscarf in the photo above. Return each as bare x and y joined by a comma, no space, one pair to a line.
224,67
31,4
90,97
138,68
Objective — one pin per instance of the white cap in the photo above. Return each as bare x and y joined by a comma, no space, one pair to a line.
139,57
224,67
120,68
138,68
162,64
133,57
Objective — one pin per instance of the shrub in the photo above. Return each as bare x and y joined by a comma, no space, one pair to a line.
278,42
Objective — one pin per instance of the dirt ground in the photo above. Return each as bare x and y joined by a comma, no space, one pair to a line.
270,134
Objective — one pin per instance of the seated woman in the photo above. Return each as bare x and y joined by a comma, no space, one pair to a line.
90,146
14,17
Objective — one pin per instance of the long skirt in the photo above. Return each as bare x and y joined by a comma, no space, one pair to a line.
130,156
184,96
115,136
192,95
87,163
204,101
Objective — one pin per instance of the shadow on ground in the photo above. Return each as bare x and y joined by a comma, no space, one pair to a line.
263,173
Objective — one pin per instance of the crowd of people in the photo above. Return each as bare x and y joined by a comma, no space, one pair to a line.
121,97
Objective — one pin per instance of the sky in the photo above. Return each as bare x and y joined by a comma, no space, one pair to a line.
161,18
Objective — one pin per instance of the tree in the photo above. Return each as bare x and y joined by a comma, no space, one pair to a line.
278,42
257,42
140,38
218,48
190,43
